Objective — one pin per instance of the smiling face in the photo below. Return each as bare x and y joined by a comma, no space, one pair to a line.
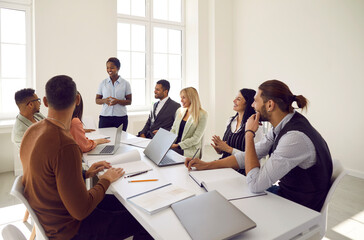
159,92
186,103
260,106
239,103
112,70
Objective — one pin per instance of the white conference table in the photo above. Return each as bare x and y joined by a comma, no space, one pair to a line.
276,217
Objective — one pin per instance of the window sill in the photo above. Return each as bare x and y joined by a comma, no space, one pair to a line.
6,126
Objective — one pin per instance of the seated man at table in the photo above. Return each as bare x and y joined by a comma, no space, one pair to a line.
29,105
163,113
298,156
53,182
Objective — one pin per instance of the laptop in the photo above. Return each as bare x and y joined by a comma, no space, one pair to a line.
158,150
210,216
108,149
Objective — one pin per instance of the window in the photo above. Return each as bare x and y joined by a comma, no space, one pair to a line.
15,59
150,47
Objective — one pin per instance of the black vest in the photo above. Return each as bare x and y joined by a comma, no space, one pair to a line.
308,187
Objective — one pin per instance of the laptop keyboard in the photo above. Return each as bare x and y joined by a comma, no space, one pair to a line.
166,161
108,149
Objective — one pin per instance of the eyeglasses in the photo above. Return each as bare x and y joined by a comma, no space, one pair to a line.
38,99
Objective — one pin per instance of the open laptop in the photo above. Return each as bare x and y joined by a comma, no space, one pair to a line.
210,216
108,149
158,150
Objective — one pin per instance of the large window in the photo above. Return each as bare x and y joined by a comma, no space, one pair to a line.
150,46
15,55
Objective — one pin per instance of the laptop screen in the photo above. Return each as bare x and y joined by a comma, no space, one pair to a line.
159,145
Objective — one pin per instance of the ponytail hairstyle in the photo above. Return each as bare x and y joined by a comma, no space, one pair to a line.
279,92
195,106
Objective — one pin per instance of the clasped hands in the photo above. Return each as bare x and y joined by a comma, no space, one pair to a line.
111,101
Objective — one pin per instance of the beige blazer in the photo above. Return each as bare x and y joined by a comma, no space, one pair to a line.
192,133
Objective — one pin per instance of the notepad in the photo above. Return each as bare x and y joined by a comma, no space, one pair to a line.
129,161
160,198
228,182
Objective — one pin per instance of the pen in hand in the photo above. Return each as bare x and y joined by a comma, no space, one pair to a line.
194,155
136,174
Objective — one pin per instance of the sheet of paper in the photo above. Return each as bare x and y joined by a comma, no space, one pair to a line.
133,167
137,141
94,136
130,156
161,198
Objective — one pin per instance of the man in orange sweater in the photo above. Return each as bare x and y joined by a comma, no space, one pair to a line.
53,182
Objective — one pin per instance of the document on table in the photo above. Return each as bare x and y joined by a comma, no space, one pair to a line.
228,182
94,136
137,141
160,198
129,161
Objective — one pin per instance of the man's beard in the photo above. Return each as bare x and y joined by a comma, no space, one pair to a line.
263,114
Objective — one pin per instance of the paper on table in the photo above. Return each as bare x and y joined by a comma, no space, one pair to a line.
129,161
137,141
158,199
228,182
94,136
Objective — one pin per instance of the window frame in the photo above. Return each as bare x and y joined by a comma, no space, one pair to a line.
149,23
26,6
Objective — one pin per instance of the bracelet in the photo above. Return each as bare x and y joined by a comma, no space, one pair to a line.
251,132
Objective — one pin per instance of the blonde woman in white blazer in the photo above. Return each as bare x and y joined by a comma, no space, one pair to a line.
189,124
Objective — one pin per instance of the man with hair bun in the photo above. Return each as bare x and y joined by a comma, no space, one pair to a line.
298,155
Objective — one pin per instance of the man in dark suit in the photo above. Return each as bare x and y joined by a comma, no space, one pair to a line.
163,112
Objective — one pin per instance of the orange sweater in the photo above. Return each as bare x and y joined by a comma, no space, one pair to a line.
53,182
78,134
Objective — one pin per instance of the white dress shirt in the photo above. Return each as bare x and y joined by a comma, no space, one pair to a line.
293,149
159,107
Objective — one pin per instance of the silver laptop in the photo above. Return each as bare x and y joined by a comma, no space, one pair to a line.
108,149
158,150
210,216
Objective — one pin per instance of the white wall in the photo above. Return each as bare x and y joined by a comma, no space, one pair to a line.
316,47
74,38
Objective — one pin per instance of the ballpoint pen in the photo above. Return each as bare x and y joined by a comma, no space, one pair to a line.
194,155
136,174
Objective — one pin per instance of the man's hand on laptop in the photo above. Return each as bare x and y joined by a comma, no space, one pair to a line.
96,168
113,174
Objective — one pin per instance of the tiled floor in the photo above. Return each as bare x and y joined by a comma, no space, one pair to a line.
345,221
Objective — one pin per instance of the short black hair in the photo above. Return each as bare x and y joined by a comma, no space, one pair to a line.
115,61
60,92
23,95
165,84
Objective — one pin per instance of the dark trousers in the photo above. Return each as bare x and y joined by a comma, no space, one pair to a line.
105,122
111,221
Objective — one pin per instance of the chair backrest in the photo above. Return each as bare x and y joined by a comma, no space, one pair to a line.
10,232
18,191
338,172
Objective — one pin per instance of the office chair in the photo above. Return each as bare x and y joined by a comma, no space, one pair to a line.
338,173
10,232
18,191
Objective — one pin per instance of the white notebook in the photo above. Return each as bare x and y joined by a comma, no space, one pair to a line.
160,198
228,182
129,161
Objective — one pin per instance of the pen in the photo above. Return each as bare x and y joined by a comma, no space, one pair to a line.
136,174
194,155
144,180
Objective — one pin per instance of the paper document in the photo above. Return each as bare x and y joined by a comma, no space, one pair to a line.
129,161
228,182
94,136
137,141
158,199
